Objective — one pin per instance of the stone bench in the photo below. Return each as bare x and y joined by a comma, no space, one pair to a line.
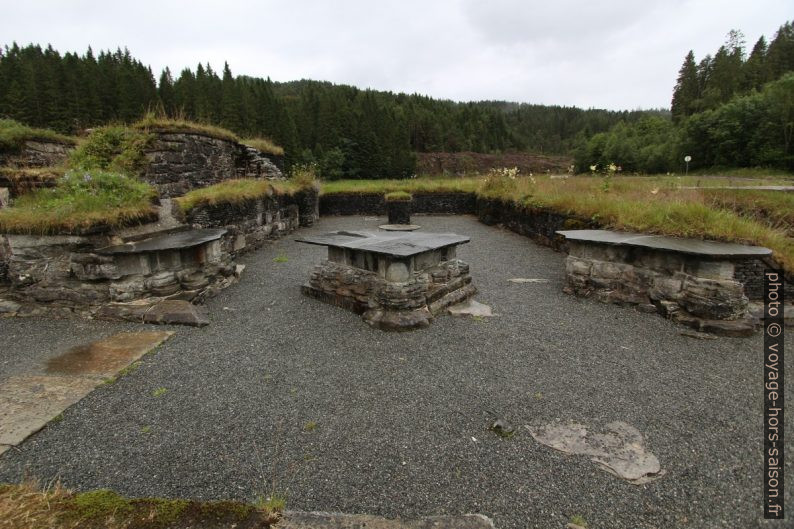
688,280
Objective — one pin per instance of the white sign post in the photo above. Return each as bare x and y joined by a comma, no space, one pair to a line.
687,159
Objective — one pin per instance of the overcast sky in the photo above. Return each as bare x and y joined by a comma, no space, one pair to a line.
610,54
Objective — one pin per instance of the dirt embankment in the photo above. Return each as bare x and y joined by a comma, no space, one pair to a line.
470,162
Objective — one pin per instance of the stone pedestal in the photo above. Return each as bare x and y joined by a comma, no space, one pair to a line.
396,281
688,280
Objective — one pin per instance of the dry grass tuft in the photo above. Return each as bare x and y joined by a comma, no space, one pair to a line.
265,145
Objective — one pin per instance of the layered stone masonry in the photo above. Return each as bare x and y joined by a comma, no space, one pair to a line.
396,282
37,153
700,291
180,162
78,275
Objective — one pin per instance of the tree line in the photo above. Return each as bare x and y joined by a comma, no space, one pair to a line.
728,110
346,131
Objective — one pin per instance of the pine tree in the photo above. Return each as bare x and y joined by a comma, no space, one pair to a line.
687,90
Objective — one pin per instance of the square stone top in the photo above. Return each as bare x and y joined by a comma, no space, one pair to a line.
168,241
395,244
671,244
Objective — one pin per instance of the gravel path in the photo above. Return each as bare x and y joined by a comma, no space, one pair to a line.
396,414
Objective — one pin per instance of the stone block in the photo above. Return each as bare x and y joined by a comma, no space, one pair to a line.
5,197
577,266
713,298
710,269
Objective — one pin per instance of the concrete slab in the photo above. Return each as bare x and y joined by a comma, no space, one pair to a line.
106,357
28,402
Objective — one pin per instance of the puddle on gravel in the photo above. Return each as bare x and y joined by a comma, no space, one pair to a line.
619,449
106,356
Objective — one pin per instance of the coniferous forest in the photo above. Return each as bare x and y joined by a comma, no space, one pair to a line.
730,109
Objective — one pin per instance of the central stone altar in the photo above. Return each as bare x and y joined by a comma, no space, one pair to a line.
395,280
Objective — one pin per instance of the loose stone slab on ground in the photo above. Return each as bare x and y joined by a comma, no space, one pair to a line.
620,449
471,308
29,402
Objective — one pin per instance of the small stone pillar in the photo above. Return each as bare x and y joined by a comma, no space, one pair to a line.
398,207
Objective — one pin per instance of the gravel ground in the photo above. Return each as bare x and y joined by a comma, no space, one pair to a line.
396,414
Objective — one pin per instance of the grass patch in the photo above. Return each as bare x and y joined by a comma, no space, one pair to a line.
233,191
579,520
398,196
31,506
80,201
155,123
265,145
281,258
310,426
113,148
411,185
304,177
648,204
14,134
159,392
273,504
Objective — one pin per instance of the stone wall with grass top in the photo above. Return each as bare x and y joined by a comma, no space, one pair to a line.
181,161
37,153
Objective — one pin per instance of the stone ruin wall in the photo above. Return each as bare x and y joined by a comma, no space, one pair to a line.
179,162
64,275
37,153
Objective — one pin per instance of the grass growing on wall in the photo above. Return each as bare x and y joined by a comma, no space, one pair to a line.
227,192
644,204
80,200
265,145
412,185
153,122
13,136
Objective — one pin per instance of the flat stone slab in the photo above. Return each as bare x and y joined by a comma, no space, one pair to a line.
619,449
168,241
323,520
395,244
399,227
471,308
665,243
106,357
29,402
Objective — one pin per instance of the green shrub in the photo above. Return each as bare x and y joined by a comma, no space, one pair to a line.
112,148
304,176
79,201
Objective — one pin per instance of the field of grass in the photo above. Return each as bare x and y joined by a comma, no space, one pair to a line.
14,134
80,200
644,204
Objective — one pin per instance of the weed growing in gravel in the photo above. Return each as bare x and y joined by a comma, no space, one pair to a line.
273,504
579,520
146,429
281,258
310,426
159,392
538,395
